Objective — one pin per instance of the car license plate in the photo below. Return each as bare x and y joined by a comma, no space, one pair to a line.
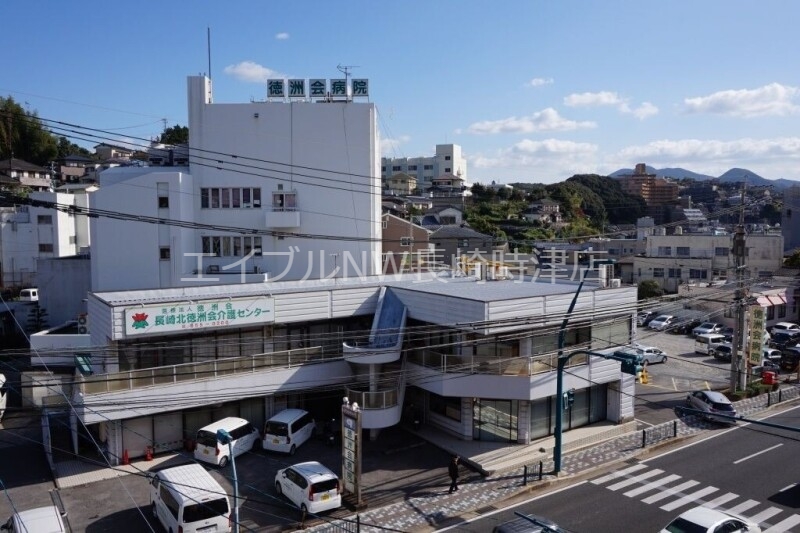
205,451
325,497
275,441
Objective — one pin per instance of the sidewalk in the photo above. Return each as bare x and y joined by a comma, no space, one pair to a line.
432,508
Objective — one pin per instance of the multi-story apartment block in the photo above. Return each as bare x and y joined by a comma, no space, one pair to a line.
259,174
790,218
448,160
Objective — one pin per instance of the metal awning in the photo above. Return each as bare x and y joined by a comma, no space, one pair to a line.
764,301
777,299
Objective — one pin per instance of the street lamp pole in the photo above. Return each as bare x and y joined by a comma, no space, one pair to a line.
225,438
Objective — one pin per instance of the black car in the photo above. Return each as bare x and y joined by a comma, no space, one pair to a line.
684,326
784,339
723,352
790,357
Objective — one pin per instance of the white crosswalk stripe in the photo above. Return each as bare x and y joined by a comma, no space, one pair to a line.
742,507
672,491
765,515
689,498
648,481
785,525
619,473
636,479
647,487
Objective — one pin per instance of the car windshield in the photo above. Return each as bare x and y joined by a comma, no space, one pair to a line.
325,486
720,406
662,318
706,325
681,525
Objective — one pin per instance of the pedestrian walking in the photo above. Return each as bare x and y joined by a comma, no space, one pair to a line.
452,470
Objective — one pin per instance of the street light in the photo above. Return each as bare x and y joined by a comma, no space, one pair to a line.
225,438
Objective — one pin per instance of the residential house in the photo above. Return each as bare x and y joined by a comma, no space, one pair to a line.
452,241
401,184
106,151
17,174
71,168
545,211
442,215
406,245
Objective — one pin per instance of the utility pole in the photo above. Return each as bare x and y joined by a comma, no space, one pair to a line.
738,379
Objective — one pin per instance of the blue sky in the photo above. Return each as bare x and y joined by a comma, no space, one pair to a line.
533,91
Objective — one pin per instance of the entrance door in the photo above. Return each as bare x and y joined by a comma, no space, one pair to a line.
494,420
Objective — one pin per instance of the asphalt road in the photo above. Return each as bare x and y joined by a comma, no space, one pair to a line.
747,469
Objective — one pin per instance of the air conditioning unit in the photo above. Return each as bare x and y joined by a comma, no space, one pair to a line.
616,283
83,324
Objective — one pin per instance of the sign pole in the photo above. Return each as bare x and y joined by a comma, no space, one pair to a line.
351,449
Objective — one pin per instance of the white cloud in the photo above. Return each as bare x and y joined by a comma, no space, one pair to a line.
608,98
739,152
389,146
251,72
593,99
545,120
538,82
282,36
547,160
772,99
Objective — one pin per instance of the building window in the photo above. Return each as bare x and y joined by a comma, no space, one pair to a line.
665,250
163,202
463,243
228,198
412,167
44,219
163,253
397,168
682,251
441,405
427,167
781,311
771,313
675,273
284,201
383,169
46,248
447,158
385,224
447,169
696,273
405,241
721,251
658,272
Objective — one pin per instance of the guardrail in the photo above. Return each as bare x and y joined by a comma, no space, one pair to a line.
164,375
381,399
482,364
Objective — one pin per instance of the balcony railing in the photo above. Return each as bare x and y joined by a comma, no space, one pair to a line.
166,375
380,399
498,366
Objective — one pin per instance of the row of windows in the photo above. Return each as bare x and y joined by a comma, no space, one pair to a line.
399,168
232,246
230,197
684,251
675,273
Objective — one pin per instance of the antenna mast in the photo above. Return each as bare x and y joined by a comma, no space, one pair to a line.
345,69
208,34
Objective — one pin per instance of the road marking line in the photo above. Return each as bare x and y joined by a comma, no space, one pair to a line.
742,507
765,515
674,491
708,387
756,454
618,473
784,489
643,422
674,385
725,498
652,485
786,525
634,479
680,502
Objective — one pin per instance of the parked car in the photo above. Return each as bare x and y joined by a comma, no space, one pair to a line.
783,339
728,332
723,352
790,357
785,326
310,486
644,317
706,328
529,523
772,354
766,364
712,403
661,322
705,519
683,326
650,354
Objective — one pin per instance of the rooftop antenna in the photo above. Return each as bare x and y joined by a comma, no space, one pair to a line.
345,69
208,38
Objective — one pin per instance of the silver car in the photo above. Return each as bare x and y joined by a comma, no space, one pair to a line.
651,354
712,403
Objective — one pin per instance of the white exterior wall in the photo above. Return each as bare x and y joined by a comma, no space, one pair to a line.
457,165
338,190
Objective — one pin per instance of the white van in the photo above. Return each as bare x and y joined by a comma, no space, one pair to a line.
287,430
244,437
707,341
29,295
187,499
42,519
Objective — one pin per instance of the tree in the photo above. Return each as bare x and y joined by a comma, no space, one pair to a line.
65,147
649,288
175,135
23,136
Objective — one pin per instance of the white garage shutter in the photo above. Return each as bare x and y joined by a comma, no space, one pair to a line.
168,429
137,435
